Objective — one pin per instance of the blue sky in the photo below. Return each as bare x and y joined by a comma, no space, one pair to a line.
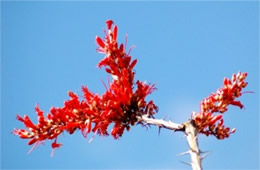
186,48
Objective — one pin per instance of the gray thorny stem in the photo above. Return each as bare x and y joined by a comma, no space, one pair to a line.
191,135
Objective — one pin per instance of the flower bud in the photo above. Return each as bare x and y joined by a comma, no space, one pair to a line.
233,130
100,42
234,78
109,24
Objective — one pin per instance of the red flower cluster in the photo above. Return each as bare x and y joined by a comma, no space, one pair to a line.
210,124
120,105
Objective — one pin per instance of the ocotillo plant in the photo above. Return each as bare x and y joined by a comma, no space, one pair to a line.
124,105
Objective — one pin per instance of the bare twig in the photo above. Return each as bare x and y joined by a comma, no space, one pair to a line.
161,123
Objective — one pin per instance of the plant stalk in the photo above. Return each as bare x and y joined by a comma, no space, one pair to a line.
189,128
192,138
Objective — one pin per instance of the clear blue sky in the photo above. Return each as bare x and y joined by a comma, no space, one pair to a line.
186,48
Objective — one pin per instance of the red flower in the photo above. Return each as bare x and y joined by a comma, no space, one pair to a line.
218,102
122,102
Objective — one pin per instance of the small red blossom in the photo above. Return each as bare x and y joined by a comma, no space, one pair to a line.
109,24
120,105
210,124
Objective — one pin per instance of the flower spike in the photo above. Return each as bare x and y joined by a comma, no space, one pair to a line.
120,105
218,102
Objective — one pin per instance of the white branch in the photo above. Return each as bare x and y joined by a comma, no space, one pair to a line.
161,123
192,138
188,128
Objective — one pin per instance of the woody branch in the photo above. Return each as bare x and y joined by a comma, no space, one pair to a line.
160,123
190,131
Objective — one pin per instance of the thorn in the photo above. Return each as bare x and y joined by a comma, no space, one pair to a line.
204,155
145,125
92,138
159,131
164,117
186,163
183,153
